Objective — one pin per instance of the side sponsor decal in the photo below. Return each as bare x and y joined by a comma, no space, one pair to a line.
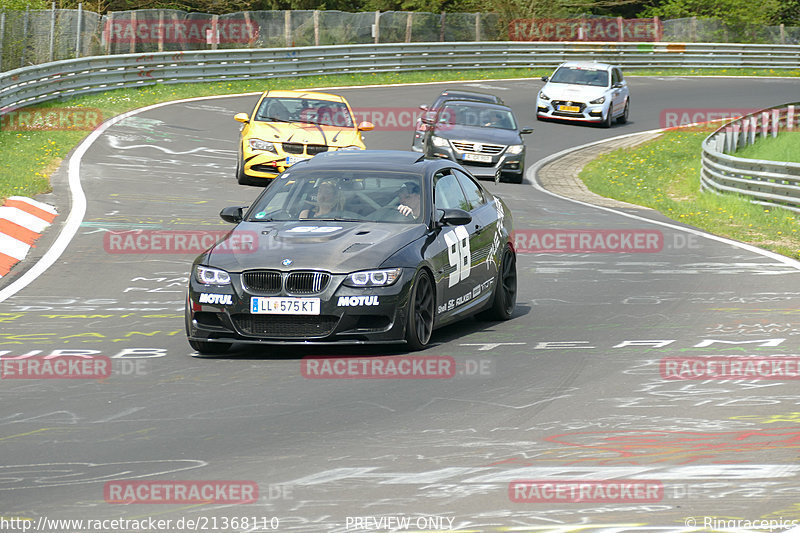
220,299
356,301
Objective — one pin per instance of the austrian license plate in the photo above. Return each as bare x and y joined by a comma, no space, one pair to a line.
292,159
284,306
478,158
569,108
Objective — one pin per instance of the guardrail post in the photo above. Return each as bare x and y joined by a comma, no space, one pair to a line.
746,132
79,30
735,139
52,49
790,118
753,128
729,146
287,27
409,21
764,124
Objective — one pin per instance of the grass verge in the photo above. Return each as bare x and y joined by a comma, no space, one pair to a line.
27,158
664,174
785,147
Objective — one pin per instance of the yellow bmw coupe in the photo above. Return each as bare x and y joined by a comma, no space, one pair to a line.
290,126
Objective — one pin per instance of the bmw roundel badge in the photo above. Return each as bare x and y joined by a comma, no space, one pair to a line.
286,262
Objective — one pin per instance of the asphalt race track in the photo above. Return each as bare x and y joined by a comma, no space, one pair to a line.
571,389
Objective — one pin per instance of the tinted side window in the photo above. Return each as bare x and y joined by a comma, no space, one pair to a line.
471,189
448,194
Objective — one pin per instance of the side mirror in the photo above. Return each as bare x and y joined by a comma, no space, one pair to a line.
545,79
428,118
453,217
241,117
366,126
525,131
234,214
424,107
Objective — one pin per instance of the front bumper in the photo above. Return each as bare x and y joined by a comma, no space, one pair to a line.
503,162
269,164
346,314
577,111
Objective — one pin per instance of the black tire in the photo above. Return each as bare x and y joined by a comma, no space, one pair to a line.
241,178
421,307
504,299
608,120
209,348
623,118
515,178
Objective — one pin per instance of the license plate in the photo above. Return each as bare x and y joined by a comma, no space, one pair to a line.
292,159
477,157
284,306
569,108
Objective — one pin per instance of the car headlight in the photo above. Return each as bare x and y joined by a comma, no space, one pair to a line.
544,96
258,144
441,142
373,278
515,149
211,276
349,148
599,100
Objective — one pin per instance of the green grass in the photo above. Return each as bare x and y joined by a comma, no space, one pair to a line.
664,174
27,158
785,147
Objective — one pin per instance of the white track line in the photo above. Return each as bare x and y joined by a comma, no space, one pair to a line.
533,171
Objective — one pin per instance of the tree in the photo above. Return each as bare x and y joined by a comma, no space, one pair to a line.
732,11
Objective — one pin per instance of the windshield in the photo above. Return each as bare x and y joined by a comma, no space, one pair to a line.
344,195
580,76
473,115
307,110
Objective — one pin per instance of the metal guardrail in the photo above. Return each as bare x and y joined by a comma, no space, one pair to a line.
770,183
59,79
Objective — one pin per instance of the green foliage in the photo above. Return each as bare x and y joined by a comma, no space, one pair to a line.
732,11
23,4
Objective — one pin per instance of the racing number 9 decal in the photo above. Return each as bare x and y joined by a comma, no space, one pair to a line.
459,253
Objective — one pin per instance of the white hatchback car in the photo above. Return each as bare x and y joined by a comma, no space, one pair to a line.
584,91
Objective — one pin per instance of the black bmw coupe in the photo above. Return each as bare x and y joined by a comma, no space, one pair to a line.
355,247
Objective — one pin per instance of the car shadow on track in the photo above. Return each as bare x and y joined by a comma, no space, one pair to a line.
459,331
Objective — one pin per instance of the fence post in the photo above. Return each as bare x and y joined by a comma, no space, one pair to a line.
693,30
316,27
51,54
620,29
441,28
133,32
80,28
409,19
478,26
214,32
108,31
25,36
287,27
783,34
2,33
377,27
656,34
161,30
789,117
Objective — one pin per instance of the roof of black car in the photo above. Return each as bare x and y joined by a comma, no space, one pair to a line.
469,95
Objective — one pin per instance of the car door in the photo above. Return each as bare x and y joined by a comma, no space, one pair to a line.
617,91
458,277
